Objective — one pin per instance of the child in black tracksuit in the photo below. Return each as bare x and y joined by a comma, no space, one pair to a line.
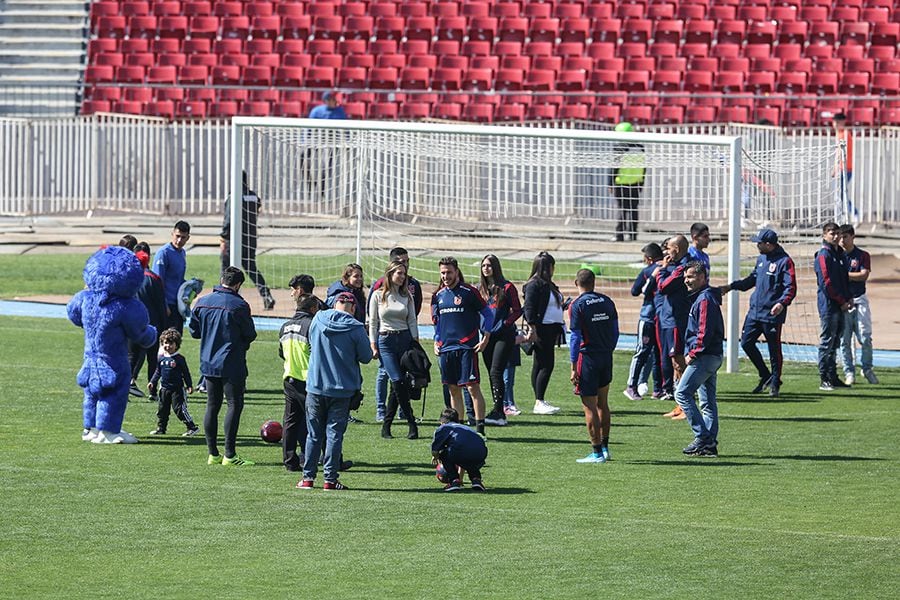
457,449
174,376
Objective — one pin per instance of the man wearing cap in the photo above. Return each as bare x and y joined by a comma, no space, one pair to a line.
627,183
330,110
776,287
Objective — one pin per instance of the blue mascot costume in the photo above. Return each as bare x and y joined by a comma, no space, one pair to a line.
110,314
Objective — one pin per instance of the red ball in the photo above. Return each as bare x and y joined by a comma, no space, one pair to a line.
271,432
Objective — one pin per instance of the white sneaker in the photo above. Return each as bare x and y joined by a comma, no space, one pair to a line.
88,435
108,437
870,377
544,408
849,378
642,389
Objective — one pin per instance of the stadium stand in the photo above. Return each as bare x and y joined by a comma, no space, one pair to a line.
694,61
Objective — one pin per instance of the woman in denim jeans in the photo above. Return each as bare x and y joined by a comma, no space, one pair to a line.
392,328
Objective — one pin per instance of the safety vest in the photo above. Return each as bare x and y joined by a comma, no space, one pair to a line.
631,170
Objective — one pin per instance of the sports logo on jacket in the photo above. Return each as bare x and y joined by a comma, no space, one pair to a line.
772,267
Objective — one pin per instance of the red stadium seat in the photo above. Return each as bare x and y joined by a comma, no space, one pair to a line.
667,81
886,84
670,115
513,29
539,80
115,59
509,113
571,81
165,108
142,95
482,28
641,63
102,9
235,27
726,51
542,112
288,76
485,62
389,28
606,113
173,27
506,9
226,75
523,63
191,110
454,62
235,60
296,26
383,78
797,117
821,83
224,109
478,113
733,114
574,29
415,78
415,110
447,110
167,9
793,32
634,81
856,84
509,79
477,79
445,48
675,63
699,32
573,111
731,32
639,115
537,10
476,48
327,27
398,61
886,34
668,31
534,49
761,32
550,63
111,27
698,81
729,82
451,28
420,28
606,30
823,32
694,50
700,114
193,75
791,83
135,74
854,33
208,60
197,9
544,30
603,80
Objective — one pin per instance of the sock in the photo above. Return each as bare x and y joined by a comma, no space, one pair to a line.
479,426
598,448
604,441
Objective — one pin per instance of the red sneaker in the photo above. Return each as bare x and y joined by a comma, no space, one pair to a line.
334,485
305,484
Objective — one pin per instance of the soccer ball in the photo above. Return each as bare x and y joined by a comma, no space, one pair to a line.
441,473
271,432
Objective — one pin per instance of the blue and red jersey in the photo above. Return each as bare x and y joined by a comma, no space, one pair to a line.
698,255
832,278
457,313
775,282
594,324
672,310
172,372
645,284
705,329
506,308
857,260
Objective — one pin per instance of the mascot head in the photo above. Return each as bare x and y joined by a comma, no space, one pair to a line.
113,272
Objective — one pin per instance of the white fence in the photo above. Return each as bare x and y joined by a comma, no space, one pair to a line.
149,165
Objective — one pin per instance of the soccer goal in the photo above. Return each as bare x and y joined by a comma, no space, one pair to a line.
336,192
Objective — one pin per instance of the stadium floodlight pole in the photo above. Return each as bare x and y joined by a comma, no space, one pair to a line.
235,237
734,255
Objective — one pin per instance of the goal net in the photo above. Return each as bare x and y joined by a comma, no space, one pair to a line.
336,192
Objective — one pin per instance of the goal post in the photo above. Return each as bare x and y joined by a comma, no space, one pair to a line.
347,191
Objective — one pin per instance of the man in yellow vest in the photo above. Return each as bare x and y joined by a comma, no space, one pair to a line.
627,182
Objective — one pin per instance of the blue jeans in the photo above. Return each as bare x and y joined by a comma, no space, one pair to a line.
509,380
326,422
857,324
700,377
381,392
830,331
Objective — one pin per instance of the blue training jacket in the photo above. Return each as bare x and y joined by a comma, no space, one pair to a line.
775,282
705,329
338,344
594,324
222,322
456,314
832,278
645,284
170,264
672,312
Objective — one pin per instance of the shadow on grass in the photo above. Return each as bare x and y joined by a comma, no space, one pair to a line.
814,457
764,399
502,491
703,462
788,419
532,440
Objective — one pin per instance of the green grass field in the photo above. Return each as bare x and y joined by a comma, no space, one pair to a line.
801,503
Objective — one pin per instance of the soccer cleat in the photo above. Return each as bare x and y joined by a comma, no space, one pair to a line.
214,459
694,447
593,457
477,486
334,485
158,431
453,486
709,451
305,484
642,389
674,412
762,385
192,431
495,418
631,394
775,389
606,455
236,461
544,408
89,434
870,376
268,302
135,391
849,379
826,386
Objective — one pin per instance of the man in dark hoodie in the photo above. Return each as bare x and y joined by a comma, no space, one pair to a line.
339,344
703,344
775,284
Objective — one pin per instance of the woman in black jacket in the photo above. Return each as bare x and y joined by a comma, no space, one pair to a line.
543,312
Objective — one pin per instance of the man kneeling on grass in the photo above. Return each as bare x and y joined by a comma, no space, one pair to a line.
456,450
594,323
703,342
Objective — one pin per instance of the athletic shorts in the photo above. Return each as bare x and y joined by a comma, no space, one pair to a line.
594,372
459,367
671,341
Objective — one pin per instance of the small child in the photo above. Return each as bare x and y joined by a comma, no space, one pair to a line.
457,449
174,376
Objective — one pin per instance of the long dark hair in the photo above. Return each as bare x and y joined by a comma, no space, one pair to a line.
493,288
542,269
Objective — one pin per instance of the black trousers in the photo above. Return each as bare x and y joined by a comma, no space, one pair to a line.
248,261
544,356
496,356
136,356
772,333
471,464
628,197
173,401
294,423
232,392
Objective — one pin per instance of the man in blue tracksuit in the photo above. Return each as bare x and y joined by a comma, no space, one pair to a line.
222,323
170,263
775,284
338,343
456,449
703,344
646,351
594,323
834,300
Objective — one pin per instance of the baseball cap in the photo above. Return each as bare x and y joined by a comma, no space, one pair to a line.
765,235
346,297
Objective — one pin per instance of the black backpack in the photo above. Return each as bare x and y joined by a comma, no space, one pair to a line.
418,370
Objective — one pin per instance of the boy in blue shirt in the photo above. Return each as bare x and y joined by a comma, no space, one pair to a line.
173,375
594,324
457,449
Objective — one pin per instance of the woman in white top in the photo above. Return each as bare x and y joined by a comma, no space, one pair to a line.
543,311
392,329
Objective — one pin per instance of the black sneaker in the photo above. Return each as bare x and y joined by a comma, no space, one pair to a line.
709,451
762,385
477,485
453,486
694,447
826,386
268,302
837,383
495,418
775,389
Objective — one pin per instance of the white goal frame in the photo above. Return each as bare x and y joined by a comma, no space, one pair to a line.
733,177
